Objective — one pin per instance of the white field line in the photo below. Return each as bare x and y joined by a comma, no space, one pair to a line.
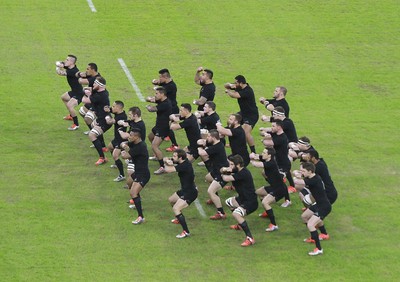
91,6
200,208
131,79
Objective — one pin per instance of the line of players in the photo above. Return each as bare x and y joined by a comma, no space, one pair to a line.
206,137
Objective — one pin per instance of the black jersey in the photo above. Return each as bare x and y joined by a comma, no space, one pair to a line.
117,127
192,130
140,157
171,90
282,103
244,186
322,170
98,101
140,124
209,121
273,176
302,153
73,81
289,129
238,144
217,157
317,189
207,91
247,103
92,79
164,109
186,176
281,148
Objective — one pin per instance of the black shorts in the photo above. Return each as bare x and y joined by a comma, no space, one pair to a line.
193,151
104,126
188,197
218,177
250,120
162,133
321,211
277,193
76,95
332,196
305,191
248,206
116,143
141,178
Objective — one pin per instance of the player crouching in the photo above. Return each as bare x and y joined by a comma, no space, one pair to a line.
246,202
182,198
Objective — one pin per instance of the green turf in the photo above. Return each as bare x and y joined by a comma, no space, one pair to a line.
63,219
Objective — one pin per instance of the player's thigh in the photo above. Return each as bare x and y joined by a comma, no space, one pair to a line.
180,204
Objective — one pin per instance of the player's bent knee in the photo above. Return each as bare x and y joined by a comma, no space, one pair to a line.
240,211
82,111
95,132
229,203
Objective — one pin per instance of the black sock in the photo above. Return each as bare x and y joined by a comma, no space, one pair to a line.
253,149
314,236
182,221
221,210
101,138
97,145
138,204
287,197
172,137
75,120
90,126
323,230
246,229
271,216
120,166
289,178
161,162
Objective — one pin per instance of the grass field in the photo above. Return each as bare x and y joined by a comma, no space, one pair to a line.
63,219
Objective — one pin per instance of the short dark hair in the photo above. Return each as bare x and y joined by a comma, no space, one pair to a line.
279,123
162,71
165,73
241,79
161,90
214,133
120,103
135,111
280,109
283,90
305,139
238,117
314,154
211,104
73,56
237,160
181,154
271,151
136,131
101,79
209,73
93,66
308,166
187,106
